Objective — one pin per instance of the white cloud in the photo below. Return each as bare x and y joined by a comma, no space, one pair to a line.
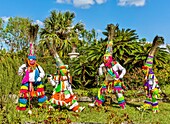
40,23
82,3
63,1
100,1
5,18
131,2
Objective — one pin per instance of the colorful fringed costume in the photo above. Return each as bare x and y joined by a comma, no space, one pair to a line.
62,93
151,86
31,85
112,82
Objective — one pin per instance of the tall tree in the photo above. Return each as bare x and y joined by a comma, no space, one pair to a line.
16,33
59,32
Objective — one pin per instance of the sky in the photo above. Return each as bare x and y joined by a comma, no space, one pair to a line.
148,17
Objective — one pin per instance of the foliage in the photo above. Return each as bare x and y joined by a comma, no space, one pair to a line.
16,33
59,33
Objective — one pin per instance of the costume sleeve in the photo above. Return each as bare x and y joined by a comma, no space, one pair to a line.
53,82
100,69
70,88
42,73
122,69
155,82
21,70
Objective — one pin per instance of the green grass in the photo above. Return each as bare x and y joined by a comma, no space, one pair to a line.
105,114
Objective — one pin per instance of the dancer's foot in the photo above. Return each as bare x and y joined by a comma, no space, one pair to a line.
91,104
139,108
123,107
155,111
80,109
29,112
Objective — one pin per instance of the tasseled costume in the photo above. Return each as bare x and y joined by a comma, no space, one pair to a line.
151,87
63,94
112,83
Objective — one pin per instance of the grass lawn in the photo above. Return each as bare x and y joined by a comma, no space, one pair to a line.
106,114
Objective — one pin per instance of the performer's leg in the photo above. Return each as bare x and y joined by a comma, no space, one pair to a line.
74,105
121,100
119,93
70,101
42,98
147,103
100,97
154,101
22,102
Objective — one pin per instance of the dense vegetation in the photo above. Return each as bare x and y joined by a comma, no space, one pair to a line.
61,34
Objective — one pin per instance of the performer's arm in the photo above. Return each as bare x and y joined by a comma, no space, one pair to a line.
122,69
52,81
70,89
21,70
69,84
42,73
100,69
155,82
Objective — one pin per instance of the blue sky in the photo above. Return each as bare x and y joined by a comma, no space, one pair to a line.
148,17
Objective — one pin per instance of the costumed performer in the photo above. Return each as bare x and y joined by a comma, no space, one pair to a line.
62,93
31,85
113,80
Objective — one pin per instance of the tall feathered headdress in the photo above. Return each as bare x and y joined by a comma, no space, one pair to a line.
33,30
59,62
156,43
108,54
31,54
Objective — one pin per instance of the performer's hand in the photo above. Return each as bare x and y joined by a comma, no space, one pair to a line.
49,77
152,90
116,78
71,93
28,69
124,87
120,76
38,79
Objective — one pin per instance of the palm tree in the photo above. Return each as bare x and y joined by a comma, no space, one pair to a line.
92,53
59,33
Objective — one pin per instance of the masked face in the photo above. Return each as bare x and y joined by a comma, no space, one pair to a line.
108,60
31,62
63,70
